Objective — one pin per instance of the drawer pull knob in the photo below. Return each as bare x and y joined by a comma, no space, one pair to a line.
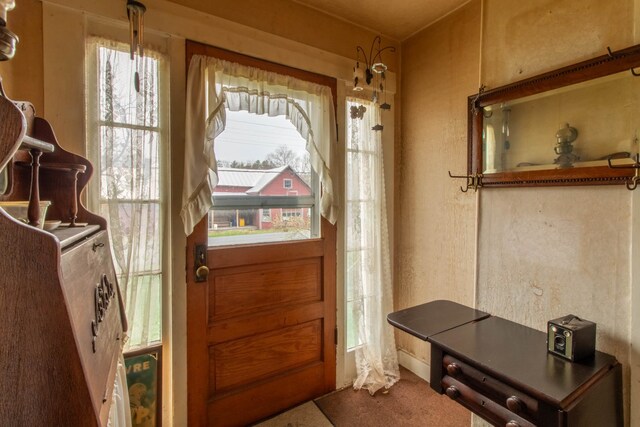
515,404
453,369
513,424
453,392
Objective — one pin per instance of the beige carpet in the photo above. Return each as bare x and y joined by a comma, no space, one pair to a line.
305,415
410,402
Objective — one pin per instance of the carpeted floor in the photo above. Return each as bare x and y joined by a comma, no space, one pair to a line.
410,402
305,415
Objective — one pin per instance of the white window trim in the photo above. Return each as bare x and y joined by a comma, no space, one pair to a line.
94,123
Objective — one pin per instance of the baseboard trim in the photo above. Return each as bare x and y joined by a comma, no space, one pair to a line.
413,364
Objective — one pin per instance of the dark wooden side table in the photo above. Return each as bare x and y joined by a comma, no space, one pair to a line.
502,371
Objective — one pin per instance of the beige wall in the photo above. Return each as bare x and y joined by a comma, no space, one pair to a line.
522,39
295,22
541,252
544,253
22,75
435,221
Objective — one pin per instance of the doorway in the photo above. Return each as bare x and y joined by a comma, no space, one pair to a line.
261,326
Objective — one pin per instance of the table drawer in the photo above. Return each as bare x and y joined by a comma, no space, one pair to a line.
481,404
506,396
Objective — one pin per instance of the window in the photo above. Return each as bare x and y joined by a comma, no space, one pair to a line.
367,265
254,201
126,141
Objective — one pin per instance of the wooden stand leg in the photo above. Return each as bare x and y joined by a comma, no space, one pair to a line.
74,203
436,369
34,199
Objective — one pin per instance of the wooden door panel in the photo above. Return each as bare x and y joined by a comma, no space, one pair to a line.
231,409
224,257
243,361
261,330
278,318
264,286
265,338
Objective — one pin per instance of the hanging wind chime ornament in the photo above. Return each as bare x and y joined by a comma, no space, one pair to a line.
135,14
373,74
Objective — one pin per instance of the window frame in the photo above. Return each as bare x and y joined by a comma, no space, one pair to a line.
196,48
94,129
222,201
355,250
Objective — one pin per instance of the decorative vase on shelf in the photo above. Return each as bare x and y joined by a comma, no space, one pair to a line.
564,147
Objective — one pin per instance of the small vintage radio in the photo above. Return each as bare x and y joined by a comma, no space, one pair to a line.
571,337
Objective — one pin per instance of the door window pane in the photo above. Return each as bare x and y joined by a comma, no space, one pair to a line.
266,188
249,226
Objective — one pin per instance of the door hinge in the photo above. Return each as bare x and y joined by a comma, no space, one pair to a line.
335,334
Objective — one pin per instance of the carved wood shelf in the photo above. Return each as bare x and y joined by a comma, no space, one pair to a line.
29,143
64,167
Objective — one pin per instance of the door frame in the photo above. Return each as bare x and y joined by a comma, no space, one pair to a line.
197,48
197,398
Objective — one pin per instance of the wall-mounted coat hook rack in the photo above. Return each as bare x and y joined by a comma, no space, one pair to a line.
632,183
612,54
473,181
474,109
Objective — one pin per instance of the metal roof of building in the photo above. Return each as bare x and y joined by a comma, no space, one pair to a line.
252,179
230,177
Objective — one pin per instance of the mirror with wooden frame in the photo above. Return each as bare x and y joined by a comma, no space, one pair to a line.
564,127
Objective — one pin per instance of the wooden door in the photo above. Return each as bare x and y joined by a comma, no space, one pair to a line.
261,328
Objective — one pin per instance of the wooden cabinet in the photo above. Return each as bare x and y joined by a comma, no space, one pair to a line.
502,371
62,321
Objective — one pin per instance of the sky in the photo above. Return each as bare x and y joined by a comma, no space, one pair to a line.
250,137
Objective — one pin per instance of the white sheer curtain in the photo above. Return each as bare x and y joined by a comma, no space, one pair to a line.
368,264
120,411
125,137
212,86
